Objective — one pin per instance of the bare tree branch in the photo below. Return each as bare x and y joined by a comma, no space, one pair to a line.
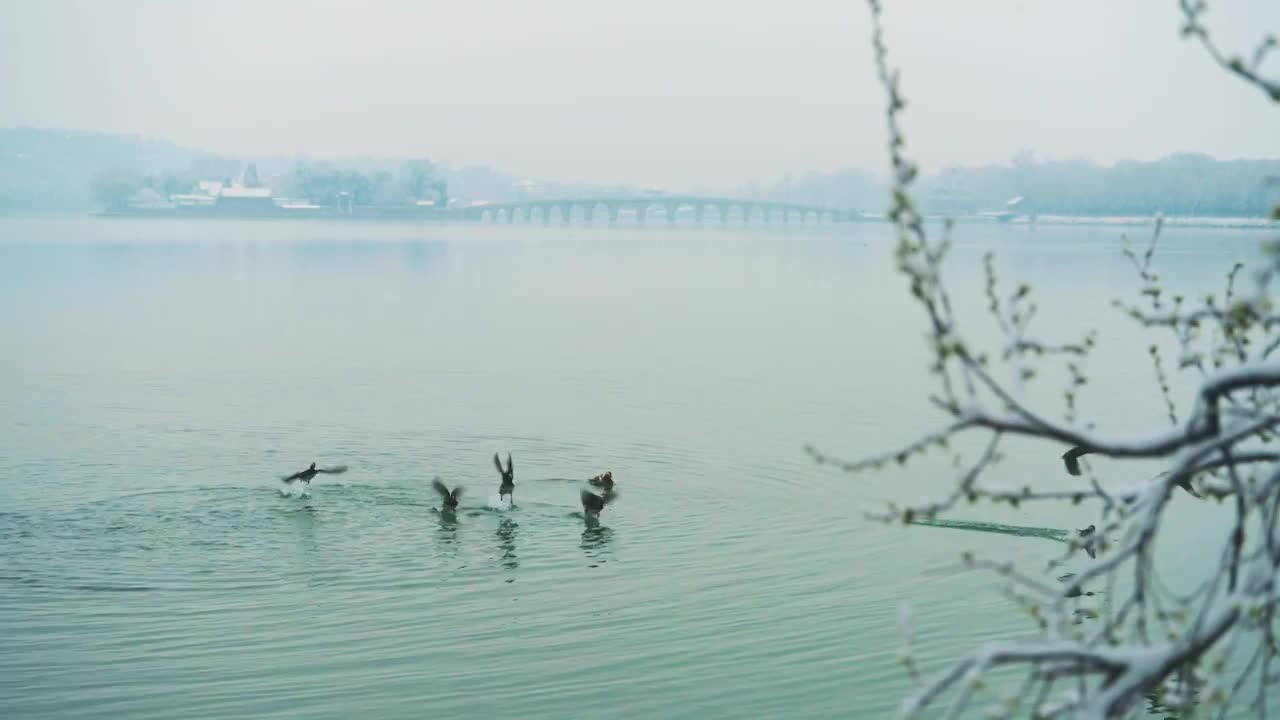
1145,640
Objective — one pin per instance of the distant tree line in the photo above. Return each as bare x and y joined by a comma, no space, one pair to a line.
66,170
1185,184
324,184
319,183
113,187
1180,184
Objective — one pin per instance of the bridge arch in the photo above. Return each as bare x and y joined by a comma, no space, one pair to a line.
674,208
595,209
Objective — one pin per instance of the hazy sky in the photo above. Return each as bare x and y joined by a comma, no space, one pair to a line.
674,92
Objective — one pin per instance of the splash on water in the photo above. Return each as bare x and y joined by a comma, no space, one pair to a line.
504,503
296,490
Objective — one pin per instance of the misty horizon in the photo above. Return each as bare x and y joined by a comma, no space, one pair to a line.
304,157
713,95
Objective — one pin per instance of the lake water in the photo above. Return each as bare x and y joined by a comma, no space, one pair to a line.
157,378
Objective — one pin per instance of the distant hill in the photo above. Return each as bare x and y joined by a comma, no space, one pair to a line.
49,170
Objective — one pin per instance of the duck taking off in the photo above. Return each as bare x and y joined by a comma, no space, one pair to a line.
604,481
306,475
592,503
448,500
508,485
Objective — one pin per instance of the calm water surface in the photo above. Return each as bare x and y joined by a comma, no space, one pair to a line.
158,377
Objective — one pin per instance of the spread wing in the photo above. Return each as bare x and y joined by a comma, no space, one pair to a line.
292,477
336,470
457,492
440,488
591,501
498,464
510,468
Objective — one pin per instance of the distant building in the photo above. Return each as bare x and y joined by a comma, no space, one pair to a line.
222,198
250,200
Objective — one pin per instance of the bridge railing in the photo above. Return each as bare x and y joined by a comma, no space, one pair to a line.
700,209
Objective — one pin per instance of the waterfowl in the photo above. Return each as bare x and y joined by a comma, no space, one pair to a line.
306,475
604,481
592,503
1088,546
449,500
508,485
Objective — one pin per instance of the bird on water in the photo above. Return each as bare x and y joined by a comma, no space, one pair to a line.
306,475
592,504
1088,545
603,481
448,499
508,485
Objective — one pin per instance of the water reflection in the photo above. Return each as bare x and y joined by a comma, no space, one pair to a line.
595,541
507,543
447,530
310,562
1169,701
304,518
345,254
1019,530
420,255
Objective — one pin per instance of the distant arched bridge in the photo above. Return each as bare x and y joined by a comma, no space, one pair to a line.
641,206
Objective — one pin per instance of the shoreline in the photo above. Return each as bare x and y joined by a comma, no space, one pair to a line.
455,218
1229,223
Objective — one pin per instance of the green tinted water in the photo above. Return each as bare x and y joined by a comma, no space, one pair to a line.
157,378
